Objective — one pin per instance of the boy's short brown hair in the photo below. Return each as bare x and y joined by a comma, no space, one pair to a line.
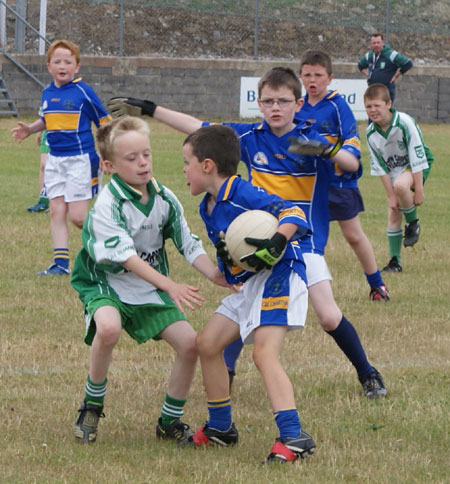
316,57
281,77
218,143
109,132
377,91
64,44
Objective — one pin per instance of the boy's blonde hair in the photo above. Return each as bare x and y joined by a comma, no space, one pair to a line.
377,91
281,77
64,44
109,132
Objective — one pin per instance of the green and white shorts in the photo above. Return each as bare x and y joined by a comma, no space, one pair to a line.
141,322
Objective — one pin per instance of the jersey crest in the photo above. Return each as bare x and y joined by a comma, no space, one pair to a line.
260,158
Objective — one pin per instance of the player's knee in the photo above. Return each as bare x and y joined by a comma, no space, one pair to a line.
77,220
329,321
189,350
205,345
108,333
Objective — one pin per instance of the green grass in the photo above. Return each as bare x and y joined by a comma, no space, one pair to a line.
43,361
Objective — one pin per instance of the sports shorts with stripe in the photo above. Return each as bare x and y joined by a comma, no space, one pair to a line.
270,298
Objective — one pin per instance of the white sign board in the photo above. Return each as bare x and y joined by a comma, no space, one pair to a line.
352,90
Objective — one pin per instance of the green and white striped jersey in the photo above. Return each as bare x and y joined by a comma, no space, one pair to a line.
400,148
120,226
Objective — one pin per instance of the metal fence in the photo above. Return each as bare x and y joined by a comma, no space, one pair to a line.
263,29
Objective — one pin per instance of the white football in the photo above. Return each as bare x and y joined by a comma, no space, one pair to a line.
252,223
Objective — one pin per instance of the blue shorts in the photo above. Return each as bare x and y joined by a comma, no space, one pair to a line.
344,203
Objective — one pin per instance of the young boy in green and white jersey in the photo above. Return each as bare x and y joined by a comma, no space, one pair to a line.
121,275
399,156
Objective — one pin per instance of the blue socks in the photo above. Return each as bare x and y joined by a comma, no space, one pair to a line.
347,339
220,414
288,423
375,279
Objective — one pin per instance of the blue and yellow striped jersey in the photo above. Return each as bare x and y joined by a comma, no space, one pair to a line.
68,113
237,196
300,179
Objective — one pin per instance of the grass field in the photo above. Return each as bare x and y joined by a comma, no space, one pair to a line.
43,362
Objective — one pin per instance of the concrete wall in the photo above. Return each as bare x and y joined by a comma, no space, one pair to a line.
210,88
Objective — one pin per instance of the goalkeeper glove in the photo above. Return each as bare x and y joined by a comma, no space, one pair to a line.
121,106
268,253
222,251
314,147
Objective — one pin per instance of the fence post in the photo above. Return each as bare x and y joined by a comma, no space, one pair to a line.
21,9
42,26
121,29
255,37
2,25
388,19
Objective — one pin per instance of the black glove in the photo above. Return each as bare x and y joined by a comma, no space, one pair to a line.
121,106
222,251
314,147
268,253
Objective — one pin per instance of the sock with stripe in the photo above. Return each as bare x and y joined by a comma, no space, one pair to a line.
395,242
95,392
288,423
410,213
220,413
61,257
171,410
43,198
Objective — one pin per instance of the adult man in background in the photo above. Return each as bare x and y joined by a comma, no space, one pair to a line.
382,64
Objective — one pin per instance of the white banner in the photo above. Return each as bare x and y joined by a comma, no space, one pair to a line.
352,90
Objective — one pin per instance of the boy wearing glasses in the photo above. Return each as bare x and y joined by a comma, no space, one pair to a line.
301,179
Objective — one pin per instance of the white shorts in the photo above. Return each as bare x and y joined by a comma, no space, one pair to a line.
71,177
269,298
316,269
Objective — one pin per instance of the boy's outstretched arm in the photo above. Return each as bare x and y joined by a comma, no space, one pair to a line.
204,265
22,130
120,106
179,293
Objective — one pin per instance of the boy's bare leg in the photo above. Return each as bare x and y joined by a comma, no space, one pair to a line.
58,222
402,189
266,355
358,241
181,336
77,212
108,328
211,341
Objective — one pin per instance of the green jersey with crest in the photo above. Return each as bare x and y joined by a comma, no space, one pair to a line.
399,148
120,226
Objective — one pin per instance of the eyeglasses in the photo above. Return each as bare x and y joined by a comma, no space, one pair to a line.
283,103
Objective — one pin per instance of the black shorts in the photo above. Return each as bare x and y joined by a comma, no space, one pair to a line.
344,203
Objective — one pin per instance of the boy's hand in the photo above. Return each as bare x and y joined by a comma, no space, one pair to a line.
121,106
184,294
20,132
268,253
222,251
313,147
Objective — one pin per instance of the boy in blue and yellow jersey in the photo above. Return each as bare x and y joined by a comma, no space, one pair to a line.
69,106
303,180
272,300
332,117
122,275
